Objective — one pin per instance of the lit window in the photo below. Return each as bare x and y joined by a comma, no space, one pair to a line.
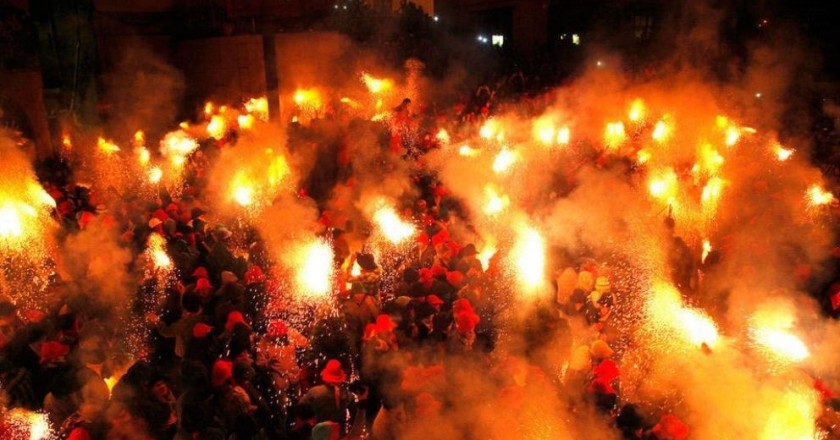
498,40
576,39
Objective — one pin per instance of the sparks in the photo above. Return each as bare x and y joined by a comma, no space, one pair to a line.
504,160
614,135
314,270
245,122
258,107
782,153
817,196
376,85
156,248
495,203
391,225
217,127
637,111
661,131
528,256
106,146
466,151
155,174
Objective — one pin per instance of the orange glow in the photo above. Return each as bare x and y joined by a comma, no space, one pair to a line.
245,122
243,190
217,127
66,142
782,153
442,136
642,156
712,190
663,185
155,174
661,131
107,147
257,107
143,155
209,109
376,85
528,257
466,151
489,129
564,135
307,98
314,262
668,314
504,160
817,196
28,425
487,252
391,225
278,170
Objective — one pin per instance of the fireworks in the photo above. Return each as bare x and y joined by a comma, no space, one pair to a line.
28,425
376,85
792,416
614,135
504,160
661,131
782,153
528,257
107,147
564,135
313,268
664,185
495,203
257,107
156,250
817,196
637,111
668,316
770,330
217,127
392,227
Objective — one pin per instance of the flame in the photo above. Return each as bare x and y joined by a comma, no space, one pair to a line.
707,248
23,424
143,155
243,190
156,248
352,103
661,131
356,270
637,111
307,98
528,255
817,196
245,122
643,156
376,85
543,130
177,145
770,330
564,135
10,221
155,174
664,185
782,153
489,129
614,135
66,142
486,254
110,382
209,108
504,160
217,127
278,170
466,151
257,107
792,417
710,159
667,312
107,147
314,269
442,136
495,203
712,190
392,227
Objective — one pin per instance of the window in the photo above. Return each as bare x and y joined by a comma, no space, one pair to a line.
643,26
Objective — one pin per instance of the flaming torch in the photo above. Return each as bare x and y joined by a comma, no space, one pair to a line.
495,203
504,160
770,330
614,135
817,196
28,425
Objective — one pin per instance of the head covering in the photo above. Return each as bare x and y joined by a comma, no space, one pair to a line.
254,275
670,427
201,330
455,278
333,373
203,284
384,323
606,370
434,300
233,318
52,350
85,219
438,270
222,372
467,251
440,238
466,321
200,272
160,215
277,329
600,350
461,305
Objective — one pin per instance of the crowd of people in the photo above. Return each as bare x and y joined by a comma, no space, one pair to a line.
223,361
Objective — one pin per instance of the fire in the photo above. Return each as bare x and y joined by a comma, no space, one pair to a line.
817,196
792,417
352,103
770,330
139,138
209,108
243,190
637,111
664,185
661,131
466,151
614,135
643,156
564,135
217,127
177,145
489,129
307,98
376,85
156,249
314,269
278,169
712,190
28,425
10,221
66,142
543,131
707,248
107,147
442,136
504,160
24,214
667,313
155,174
486,254
245,122
110,382
257,107
143,155
528,255
710,159
782,153
391,225
495,203
732,132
